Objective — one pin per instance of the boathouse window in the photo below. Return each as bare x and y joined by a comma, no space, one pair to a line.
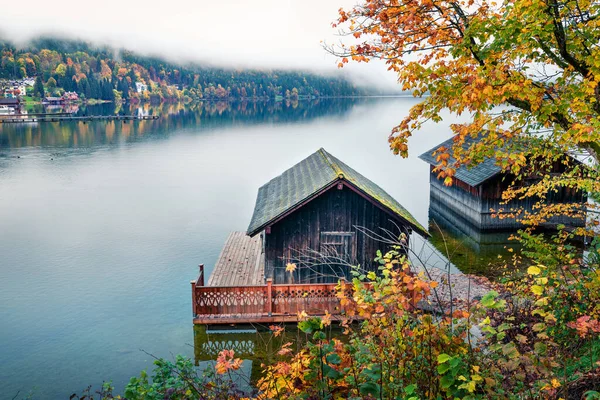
339,245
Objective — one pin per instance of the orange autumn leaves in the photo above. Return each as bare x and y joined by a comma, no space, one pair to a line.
226,362
394,335
514,68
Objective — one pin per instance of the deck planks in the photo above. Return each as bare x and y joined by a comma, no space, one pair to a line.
241,262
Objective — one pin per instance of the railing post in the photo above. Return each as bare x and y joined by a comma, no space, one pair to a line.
201,276
193,284
270,296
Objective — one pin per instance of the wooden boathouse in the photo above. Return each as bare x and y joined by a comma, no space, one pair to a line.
309,225
477,189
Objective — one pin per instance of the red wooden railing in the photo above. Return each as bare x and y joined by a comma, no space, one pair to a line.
261,303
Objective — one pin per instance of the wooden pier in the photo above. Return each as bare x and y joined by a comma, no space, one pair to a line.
312,208
25,118
238,293
241,263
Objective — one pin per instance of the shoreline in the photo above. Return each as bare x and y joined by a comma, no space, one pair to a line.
225,100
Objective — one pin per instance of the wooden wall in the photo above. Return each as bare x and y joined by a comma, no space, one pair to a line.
337,210
475,208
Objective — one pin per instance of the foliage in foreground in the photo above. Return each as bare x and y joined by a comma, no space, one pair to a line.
539,339
178,380
536,339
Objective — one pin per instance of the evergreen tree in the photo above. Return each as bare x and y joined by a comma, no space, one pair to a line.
38,87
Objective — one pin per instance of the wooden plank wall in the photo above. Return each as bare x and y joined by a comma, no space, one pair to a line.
337,210
476,209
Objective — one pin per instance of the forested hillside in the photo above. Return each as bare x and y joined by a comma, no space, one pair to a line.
105,73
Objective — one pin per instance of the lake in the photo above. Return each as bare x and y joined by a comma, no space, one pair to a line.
103,224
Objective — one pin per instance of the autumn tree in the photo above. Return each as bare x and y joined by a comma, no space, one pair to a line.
51,84
521,69
61,70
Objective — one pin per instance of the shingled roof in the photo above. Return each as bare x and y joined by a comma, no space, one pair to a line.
472,175
306,180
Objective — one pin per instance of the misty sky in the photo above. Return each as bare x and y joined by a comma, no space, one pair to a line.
236,33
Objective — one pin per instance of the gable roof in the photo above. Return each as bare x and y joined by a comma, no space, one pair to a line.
307,179
472,175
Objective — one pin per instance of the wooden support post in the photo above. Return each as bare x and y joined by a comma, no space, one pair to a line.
193,284
270,297
201,275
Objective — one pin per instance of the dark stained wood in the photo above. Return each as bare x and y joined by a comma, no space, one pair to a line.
240,263
475,204
298,235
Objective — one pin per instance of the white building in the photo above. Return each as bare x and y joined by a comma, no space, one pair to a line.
141,87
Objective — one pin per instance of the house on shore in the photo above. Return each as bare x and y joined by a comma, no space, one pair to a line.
310,225
52,100
141,87
67,97
9,106
477,189
322,216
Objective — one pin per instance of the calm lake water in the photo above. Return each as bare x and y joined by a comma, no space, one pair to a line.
102,225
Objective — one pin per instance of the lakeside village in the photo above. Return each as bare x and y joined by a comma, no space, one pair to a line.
18,96
15,94
20,99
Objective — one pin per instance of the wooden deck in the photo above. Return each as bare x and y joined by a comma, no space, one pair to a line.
237,292
241,262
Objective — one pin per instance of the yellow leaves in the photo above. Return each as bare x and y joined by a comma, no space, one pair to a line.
302,315
542,302
290,267
470,385
533,270
537,290
326,319
555,383
542,281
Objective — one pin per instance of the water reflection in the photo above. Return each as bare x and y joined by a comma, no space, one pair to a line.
254,344
177,116
469,248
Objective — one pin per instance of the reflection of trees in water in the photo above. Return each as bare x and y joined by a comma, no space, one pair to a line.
173,116
257,344
259,347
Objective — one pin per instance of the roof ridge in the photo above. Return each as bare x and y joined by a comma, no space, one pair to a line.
336,168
